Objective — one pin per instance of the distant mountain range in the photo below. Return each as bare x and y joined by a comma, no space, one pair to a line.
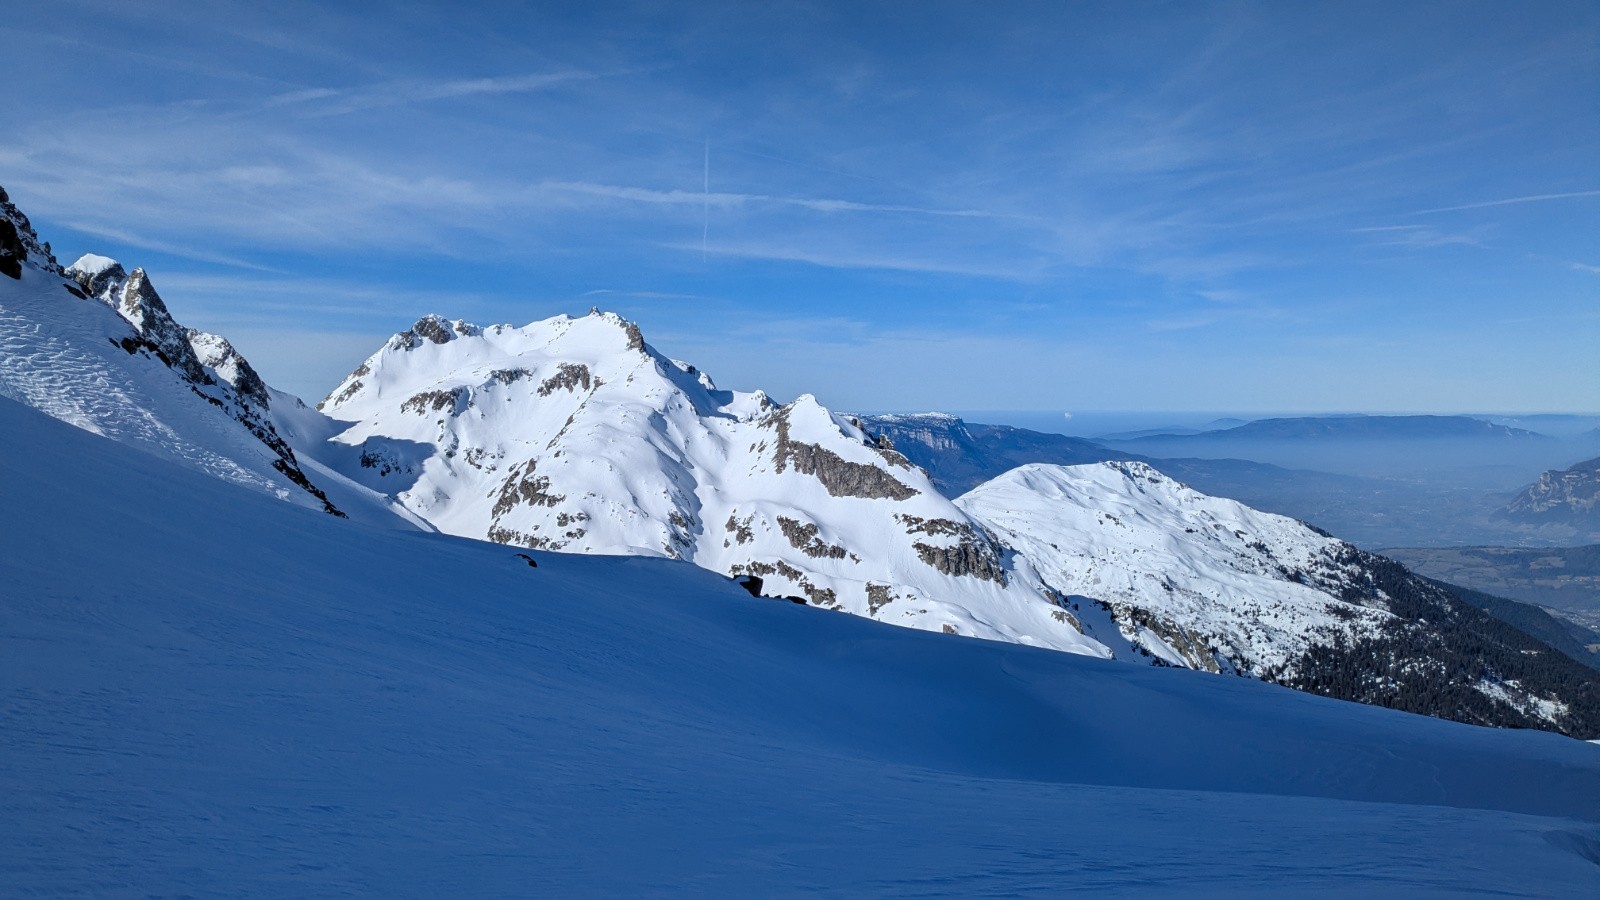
1349,428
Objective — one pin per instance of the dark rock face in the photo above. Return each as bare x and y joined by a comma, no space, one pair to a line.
524,487
354,388
841,477
507,376
291,470
971,556
878,596
974,553
817,596
919,525
12,253
20,244
436,401
433,329
569,377
741,529
154,333
803,537
100,284
136,299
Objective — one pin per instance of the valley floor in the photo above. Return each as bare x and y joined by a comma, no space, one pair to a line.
205,691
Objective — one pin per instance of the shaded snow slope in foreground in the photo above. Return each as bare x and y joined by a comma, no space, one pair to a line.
281,702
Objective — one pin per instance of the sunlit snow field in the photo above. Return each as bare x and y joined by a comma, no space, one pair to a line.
208,691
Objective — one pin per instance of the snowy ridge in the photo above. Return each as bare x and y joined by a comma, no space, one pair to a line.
95,346
1209,583
573,434
1197,581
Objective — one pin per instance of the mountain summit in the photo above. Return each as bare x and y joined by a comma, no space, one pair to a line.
574,434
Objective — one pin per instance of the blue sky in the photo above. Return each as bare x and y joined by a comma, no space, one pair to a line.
1275,206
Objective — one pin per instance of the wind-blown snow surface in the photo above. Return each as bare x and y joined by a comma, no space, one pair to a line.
573,434
277,701
60,353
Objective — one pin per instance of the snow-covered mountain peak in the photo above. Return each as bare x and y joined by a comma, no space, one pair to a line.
1095,482
94,272
573,434
433,329
136,300
436,349
227,364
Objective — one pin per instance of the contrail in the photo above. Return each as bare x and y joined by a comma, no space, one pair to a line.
705,209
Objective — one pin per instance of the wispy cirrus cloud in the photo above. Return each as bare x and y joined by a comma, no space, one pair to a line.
326,101
641,295
1511,201
725,199
869,258
1418,236
182,251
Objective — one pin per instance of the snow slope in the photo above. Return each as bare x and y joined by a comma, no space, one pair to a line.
574,434
281,702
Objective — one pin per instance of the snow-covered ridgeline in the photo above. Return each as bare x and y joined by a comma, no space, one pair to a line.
1198,581
573,434
93,345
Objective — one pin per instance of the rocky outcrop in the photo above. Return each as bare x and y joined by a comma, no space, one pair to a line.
1572,493
211,366
431,329
525,487
436,401
136,299
803,537
227,364
19,243
569,377
841,477
12,253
